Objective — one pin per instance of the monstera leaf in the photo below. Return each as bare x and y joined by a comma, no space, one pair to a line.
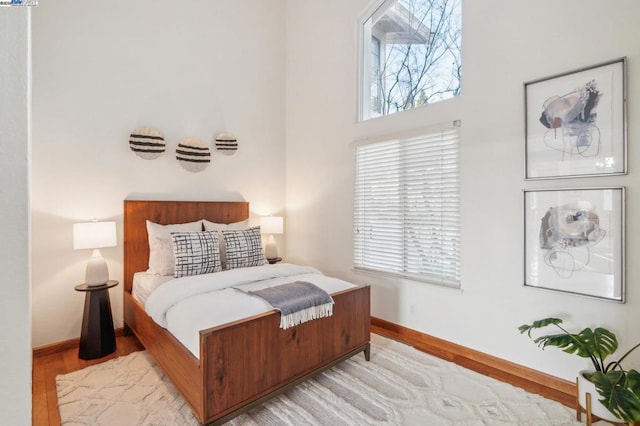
619,390
595,344
539,324
620,393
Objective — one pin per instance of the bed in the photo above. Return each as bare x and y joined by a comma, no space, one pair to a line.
245,362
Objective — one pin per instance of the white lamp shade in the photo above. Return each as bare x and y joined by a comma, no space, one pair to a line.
272,225
92,235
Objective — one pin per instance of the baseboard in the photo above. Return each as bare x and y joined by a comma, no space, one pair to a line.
53,348
526,378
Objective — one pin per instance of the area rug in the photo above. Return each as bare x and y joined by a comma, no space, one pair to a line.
399,386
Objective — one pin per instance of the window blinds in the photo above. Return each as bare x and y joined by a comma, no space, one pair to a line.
407,207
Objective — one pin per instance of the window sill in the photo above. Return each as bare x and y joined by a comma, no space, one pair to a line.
408,277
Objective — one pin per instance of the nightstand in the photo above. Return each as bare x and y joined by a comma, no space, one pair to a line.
97,338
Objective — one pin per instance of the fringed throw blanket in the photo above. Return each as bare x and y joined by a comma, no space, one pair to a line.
297,302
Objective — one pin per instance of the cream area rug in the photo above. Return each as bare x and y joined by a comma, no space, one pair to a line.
399,386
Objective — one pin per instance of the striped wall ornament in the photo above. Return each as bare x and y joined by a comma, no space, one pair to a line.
226,143
147,143
193,155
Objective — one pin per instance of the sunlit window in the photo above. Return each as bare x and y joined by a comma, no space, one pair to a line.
411,55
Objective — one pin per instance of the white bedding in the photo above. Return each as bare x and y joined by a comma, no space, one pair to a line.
144,283
184,306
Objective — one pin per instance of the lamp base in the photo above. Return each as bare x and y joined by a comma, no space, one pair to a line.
97,272
271,249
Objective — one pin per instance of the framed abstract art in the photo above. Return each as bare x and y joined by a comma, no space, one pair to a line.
576,123
574,241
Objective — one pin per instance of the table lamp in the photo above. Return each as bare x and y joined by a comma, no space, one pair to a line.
95,235
271,225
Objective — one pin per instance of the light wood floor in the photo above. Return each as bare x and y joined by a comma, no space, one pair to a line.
47,367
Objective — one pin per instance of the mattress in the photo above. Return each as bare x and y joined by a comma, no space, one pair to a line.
184,306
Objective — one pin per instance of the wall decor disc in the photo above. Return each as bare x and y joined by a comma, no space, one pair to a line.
147,143
226,143
193,154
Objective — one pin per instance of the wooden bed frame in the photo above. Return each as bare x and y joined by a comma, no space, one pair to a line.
242,363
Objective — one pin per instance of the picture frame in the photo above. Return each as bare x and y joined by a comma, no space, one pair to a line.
575,123
574,241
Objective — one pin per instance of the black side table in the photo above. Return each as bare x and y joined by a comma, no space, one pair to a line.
98,337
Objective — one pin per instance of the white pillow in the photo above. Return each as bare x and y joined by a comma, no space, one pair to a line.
212,226
244,248
196,253
161,258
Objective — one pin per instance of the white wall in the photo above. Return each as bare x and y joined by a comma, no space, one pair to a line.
15,335
505,44
100,69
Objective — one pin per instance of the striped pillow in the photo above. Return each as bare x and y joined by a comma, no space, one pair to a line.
196,253
244,248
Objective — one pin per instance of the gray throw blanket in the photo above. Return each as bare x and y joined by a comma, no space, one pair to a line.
298,302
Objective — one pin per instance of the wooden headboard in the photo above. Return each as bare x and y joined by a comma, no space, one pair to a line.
137,212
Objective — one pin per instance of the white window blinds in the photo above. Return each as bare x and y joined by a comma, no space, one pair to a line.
407,207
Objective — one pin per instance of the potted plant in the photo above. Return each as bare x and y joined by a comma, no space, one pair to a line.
619,389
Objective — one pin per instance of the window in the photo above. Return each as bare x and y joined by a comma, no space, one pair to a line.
411,55
376,83
407,207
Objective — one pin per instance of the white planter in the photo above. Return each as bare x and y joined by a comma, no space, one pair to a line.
597,409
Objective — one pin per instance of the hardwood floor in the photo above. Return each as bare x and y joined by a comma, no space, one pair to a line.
47,367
